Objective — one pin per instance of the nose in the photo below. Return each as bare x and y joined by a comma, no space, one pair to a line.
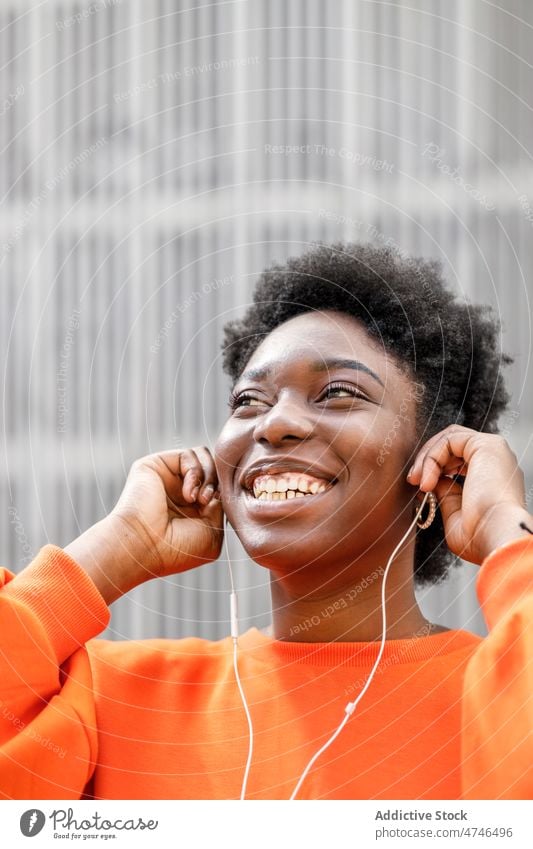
286,420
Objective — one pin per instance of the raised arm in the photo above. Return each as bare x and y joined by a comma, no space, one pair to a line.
486,522
48,741
165,521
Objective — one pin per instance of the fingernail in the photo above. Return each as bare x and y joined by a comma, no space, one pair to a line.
410,472
208,492
195,491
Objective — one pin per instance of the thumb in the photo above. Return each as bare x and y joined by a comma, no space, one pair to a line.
450,497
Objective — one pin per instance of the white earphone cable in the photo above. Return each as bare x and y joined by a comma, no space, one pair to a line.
350,707
235,638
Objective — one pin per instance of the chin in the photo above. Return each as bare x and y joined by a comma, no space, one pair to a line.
288,550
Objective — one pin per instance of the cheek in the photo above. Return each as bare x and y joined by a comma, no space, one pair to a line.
375,454
227,450
359,442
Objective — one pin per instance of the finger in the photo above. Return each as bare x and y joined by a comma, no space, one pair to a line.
448,453
192,474
444,458
171,459
416,468
450,497
214,512
433,471
210,479
165,465
199,474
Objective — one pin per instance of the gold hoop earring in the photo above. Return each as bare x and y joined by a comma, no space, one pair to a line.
431,514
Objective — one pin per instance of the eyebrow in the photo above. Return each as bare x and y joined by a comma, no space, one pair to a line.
317,366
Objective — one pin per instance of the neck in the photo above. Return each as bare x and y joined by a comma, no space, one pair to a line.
348,610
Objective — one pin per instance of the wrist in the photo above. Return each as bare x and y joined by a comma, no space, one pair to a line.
502,524
106,552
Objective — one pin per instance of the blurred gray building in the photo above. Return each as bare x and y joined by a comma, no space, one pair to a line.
155,156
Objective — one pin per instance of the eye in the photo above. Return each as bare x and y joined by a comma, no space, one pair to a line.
342,390
243,399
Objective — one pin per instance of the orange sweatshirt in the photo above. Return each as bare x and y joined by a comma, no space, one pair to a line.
447,716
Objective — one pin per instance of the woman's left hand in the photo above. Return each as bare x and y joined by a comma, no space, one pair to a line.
484,512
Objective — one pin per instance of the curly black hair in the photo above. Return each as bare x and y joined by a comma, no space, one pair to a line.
447,344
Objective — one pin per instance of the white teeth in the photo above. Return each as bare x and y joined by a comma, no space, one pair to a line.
280,487
283,496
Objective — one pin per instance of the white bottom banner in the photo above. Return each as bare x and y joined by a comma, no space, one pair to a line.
262,825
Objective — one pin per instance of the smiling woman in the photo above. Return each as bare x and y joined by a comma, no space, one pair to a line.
354,398
447,351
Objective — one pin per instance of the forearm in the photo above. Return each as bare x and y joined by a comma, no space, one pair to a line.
106,551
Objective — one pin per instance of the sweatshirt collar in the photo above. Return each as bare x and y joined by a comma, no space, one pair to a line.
395,652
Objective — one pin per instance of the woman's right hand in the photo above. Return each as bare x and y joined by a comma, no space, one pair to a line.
168,519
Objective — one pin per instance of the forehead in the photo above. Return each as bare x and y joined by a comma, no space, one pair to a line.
321,335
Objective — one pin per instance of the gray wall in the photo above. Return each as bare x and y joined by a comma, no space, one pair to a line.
141,196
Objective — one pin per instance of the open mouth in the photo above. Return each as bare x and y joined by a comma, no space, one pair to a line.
285,486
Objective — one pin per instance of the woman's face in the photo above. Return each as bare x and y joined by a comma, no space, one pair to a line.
321,407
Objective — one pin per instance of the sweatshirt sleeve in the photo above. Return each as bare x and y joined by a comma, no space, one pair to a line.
48,739
497,705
